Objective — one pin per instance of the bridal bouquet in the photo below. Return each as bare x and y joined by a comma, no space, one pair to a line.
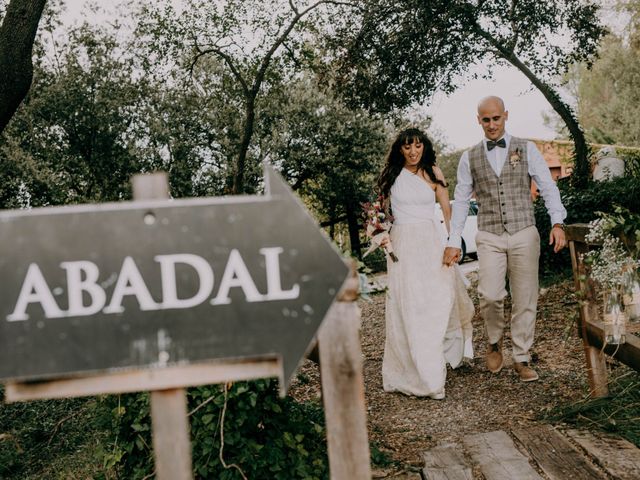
377,227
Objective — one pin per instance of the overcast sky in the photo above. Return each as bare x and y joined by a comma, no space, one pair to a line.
454,116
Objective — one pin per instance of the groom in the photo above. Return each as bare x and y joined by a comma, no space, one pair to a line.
499,170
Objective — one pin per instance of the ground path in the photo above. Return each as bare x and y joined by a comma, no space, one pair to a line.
403,428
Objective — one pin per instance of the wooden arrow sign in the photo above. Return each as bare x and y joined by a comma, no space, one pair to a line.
95,288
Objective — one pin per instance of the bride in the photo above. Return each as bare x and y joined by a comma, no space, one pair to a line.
428,311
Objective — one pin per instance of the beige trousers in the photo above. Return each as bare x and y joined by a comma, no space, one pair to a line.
515,256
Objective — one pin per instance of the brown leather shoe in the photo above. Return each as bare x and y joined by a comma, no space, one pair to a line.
494,357
526,373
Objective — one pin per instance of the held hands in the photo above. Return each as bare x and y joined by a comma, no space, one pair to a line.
557,238
451,256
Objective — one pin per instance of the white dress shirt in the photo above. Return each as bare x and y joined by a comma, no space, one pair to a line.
538,170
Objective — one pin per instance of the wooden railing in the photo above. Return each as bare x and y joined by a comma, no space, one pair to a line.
590,326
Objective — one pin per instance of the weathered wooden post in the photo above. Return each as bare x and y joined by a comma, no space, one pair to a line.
596,362
343,387
169,419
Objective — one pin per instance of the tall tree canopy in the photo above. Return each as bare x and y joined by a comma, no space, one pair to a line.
254,44
103,108
607,95
401,51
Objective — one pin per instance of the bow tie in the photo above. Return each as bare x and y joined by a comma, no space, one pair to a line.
500,143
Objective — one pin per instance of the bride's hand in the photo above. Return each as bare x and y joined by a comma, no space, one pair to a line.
451,256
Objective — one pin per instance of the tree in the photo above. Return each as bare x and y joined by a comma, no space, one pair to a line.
75,139
608,95
251,41
329,153
99,113
407,49
17,35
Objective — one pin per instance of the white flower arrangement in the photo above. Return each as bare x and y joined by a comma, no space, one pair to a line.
610,261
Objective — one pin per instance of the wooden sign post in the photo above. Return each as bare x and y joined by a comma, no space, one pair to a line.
343,388
158,295
169,414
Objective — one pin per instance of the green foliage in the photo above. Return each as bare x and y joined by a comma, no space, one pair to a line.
329,153
71,141
51,439
625,225
375,262
256,51
379,457
582,205
448,163
265,436
607,94
631,157
392,53
618,413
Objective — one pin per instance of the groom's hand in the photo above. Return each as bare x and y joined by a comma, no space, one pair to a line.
451,256
557,238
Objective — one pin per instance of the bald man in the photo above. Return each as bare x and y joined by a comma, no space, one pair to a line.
499,170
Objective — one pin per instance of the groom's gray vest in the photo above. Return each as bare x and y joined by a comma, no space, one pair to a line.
504,202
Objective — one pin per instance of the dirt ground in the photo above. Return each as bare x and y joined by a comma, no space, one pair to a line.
402,427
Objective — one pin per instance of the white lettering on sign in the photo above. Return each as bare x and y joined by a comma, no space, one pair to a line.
82,278
168,275
35,290
274,287
75,287
130,282
236,274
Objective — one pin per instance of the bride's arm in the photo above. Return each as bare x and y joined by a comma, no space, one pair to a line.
442,196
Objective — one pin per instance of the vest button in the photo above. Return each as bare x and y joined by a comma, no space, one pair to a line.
503,204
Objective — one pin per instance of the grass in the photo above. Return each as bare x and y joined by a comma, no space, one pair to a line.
53,439
618,414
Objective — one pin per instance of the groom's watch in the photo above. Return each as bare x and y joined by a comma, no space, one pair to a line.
559,225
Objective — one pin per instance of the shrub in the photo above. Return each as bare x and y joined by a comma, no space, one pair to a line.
582,205
265,436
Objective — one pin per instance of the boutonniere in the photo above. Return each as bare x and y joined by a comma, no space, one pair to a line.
515,157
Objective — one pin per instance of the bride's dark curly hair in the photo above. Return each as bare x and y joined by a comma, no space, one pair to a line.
395,160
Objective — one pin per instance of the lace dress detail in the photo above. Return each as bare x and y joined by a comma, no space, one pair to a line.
428,311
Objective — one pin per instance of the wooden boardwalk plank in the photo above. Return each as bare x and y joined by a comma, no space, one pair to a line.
498,457
446,462
618,457
557,458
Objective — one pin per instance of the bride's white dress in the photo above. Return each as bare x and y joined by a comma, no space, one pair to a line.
428,310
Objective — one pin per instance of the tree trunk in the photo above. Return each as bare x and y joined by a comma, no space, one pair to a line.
354,229
250,117
582,153
17,34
